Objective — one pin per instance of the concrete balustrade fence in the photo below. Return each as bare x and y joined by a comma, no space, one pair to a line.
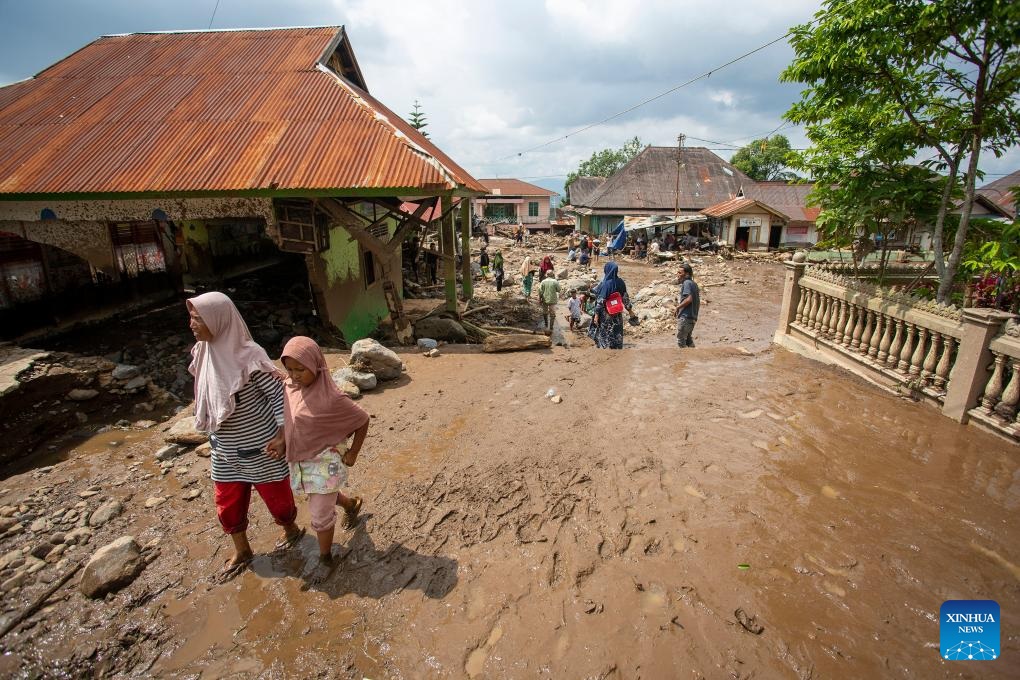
966,362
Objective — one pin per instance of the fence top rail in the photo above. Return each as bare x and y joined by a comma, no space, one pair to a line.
1008,341
872,290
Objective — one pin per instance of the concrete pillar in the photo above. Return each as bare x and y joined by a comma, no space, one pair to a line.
791,296
449,254
970,372
465,239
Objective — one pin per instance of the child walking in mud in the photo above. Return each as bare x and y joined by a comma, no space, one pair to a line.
318,420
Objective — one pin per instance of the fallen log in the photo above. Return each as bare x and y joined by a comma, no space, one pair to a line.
474,331
511,329
476,309
515,343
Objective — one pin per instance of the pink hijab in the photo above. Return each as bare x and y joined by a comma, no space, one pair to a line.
320,415
223,365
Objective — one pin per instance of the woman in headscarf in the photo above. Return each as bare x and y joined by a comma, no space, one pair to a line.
607,329
546,266
318,419
239,402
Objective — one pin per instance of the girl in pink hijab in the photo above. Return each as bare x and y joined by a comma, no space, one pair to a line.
318,419
239,402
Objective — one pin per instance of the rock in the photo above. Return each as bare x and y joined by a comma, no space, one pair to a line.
432,353
562,273
364,381
754,413
42,550
81,417
112,567
14,530
799,256
349,388
144,424
125,372
154,501
184,432
34,565
79,535
82,395
15,581
580,285
9,559
57,538
204,450
105,512
6,523
191,495
136,384
381,361
40,525
440,329
557,399
169,451
89,493
425,344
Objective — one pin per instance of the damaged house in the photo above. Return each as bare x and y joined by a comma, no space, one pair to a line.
144,163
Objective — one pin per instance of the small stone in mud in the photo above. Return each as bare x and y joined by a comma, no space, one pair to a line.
191,495
204,450
752,414
592,607
88,493
112,567
41,524
154,501
14,530
79,535
144,424
557,399
167,452
125,372
82,395
763,445
105,512
81,417
15,581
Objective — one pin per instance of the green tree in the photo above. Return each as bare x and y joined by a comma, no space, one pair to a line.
894,81
765,159
604,163
418,120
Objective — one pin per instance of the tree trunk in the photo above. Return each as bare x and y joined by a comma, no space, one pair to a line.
513,343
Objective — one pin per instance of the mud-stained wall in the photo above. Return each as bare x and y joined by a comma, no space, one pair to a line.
196,253
88,240
338,277
176,209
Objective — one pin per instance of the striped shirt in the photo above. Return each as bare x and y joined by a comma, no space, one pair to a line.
238,446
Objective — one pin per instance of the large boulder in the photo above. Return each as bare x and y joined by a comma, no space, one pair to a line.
438,328
364,381
184,432
112,567
580,285
380,360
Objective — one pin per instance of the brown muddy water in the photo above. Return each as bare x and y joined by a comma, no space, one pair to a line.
701,513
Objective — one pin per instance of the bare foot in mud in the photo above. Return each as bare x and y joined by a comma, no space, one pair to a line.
324,568
292,535
234,566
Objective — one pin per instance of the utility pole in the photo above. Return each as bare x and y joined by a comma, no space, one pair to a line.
679,165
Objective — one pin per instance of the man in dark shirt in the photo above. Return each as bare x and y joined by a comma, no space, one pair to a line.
689,301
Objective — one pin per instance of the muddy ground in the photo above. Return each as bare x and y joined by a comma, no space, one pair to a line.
507,536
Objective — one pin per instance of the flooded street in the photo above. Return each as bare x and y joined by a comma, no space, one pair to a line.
728,511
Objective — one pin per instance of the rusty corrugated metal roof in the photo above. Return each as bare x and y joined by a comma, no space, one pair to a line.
209,111
514,187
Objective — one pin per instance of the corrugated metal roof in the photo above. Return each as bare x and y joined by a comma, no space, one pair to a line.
740,204
1001,192
514,187
787,197
648,182
208,111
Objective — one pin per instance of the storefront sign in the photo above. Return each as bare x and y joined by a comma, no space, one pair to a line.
750,222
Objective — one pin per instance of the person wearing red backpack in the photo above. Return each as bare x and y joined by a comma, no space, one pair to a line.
611,300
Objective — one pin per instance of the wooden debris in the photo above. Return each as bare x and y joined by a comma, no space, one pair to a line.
515,343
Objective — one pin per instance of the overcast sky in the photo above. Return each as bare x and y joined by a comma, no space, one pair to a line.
497,78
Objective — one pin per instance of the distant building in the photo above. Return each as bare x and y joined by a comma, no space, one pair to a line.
517,202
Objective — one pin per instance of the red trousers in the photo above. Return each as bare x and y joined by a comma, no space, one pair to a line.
233,498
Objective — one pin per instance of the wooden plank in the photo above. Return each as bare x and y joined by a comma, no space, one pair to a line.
515,343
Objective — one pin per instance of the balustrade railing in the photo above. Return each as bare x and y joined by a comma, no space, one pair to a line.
1001,394
904,337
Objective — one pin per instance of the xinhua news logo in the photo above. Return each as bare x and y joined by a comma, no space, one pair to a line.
969,630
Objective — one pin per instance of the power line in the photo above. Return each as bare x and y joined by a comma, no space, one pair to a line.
216,7
706,74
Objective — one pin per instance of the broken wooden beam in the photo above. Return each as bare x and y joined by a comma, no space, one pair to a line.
515,343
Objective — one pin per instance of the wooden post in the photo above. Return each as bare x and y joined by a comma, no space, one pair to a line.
449,254
465,248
